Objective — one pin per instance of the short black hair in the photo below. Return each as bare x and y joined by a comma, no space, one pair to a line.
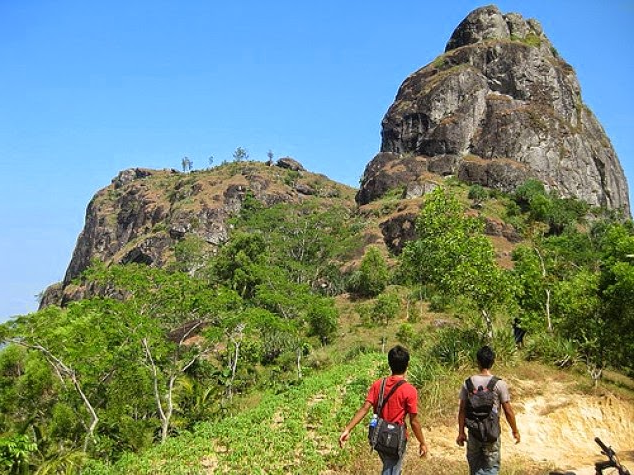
486,357
398,359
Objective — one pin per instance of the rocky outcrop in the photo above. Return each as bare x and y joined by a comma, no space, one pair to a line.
498,107
143,213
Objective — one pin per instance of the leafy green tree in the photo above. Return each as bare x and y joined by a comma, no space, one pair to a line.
191,254
82,344
15,454
595,307
239,262
171,303
534,286
303,239
323,318
384,310
452,253
373,275
559,214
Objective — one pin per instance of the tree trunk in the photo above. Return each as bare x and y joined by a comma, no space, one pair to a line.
548,319
489,324
299,363
61,369
157,395
547,290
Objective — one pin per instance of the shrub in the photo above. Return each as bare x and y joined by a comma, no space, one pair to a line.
457,347
551,349
372,277
477,194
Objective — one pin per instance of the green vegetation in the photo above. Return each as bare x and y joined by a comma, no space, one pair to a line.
254,352
373,275
531,39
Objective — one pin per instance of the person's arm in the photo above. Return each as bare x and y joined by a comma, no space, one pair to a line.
462,436
358,417
418,432
510,418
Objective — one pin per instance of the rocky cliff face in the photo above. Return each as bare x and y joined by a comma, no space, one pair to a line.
143,213
498,107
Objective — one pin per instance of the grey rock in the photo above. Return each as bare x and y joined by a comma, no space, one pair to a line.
498,107
304,189
126,176
397,230
290,164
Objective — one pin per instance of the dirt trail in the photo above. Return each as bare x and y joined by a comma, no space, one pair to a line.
557,425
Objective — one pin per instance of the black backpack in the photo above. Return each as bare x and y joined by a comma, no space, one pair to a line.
387,438
481,420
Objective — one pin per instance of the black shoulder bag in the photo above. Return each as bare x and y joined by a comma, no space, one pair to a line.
385,437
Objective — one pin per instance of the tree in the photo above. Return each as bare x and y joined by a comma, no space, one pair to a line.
595,307
452,253
240,154
304,240
239,262
82,344
187,164
384,311
534,285
323,319
171,304
373,274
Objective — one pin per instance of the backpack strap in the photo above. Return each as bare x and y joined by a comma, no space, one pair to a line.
490,385
383,401
492,382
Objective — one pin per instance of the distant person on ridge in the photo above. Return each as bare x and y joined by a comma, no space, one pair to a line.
518,333
402,401
481,397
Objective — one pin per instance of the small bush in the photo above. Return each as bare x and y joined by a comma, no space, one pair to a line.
551,349
457,347
438,303
504,345
407,335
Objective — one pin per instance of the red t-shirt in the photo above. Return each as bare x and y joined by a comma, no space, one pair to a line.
403,401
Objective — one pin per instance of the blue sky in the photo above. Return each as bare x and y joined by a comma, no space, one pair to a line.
92,88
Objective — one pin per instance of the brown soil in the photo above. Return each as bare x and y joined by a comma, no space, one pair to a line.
557,425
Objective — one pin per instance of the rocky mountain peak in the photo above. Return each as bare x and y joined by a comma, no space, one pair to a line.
143,214
488,23
498,107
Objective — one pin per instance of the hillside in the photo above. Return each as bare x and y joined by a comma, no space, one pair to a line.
297,431
229,320
143,213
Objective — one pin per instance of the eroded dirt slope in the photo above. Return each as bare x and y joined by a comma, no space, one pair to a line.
558,425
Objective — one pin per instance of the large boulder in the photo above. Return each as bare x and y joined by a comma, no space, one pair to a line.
498,107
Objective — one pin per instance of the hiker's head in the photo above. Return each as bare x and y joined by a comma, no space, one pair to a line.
486,357
398,359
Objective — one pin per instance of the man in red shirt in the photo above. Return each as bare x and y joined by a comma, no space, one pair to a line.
404,401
